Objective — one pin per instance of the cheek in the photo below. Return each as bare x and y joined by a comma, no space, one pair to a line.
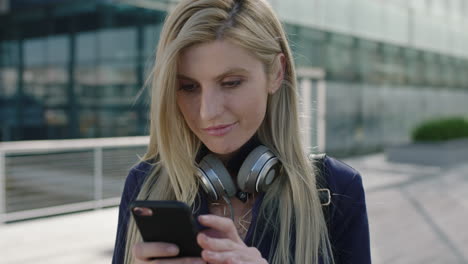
185,108
254,108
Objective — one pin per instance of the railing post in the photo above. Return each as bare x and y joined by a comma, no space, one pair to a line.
321,116
2,187
98,177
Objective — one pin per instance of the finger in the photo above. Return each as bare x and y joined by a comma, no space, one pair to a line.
148,250
217,244
228,257
222,224
249,255
178,261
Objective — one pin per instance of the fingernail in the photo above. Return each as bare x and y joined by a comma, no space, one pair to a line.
172,249
138,211
203,217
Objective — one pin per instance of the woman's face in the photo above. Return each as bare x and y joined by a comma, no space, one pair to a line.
222,94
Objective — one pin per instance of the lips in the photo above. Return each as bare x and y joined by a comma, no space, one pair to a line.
219,130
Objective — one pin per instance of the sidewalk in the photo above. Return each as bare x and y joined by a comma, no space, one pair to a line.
417,215
86,237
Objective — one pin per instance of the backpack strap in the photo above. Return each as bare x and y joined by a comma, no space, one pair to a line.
323,188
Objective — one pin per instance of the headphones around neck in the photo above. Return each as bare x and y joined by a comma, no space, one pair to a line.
256,174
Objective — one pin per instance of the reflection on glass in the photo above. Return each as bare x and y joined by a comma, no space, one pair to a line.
414,66
9,52
117,43
432,69
58,50
310,47
8,81
86,50
56,117
366,60
151,36
35,52
117,73
394,68
339,57
55,96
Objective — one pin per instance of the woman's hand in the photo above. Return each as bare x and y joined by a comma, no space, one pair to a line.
144,253
221,243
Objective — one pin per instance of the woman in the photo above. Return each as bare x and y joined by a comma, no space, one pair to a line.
223,85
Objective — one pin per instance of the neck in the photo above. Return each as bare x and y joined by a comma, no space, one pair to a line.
234,160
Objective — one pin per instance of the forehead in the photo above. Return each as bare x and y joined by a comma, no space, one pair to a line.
210,59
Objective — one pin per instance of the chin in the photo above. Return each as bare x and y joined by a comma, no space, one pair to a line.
223,149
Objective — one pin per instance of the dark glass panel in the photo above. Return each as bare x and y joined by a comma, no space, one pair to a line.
58,50
366,61
464,73
339,57
414,66
310,49
9,53
35,51
432,69
151,38
86,47
117,43
393,70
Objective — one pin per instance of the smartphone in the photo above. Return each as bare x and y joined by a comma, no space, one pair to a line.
167,221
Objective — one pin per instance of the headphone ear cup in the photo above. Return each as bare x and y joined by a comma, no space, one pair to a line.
215,179
258,170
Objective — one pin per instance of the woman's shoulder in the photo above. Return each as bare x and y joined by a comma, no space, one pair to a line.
344,183
142,168
137,174
349,227
341,178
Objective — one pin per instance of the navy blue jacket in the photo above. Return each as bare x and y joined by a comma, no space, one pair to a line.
349,229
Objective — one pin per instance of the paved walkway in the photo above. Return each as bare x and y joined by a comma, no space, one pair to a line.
417,215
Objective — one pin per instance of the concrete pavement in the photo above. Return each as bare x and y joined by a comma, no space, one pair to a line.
417,215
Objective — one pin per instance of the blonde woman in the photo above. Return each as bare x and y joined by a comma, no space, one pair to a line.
224,93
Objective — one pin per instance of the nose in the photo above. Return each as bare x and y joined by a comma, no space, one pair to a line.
212,104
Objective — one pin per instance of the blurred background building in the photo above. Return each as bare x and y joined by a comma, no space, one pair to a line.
370,71
73,69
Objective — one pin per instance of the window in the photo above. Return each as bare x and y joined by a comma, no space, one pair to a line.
339,57
366,60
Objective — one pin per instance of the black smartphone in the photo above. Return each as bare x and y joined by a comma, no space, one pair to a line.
167,221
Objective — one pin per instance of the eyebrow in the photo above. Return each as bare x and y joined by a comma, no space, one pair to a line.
219,77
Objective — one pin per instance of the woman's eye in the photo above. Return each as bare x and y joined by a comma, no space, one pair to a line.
188,87
231,84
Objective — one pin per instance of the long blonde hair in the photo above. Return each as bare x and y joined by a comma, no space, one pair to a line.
251,24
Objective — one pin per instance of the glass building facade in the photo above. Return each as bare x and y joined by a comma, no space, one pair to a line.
75,69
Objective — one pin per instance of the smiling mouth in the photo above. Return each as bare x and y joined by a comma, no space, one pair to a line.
219,130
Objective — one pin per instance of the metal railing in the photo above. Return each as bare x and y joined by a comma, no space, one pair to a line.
48,177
